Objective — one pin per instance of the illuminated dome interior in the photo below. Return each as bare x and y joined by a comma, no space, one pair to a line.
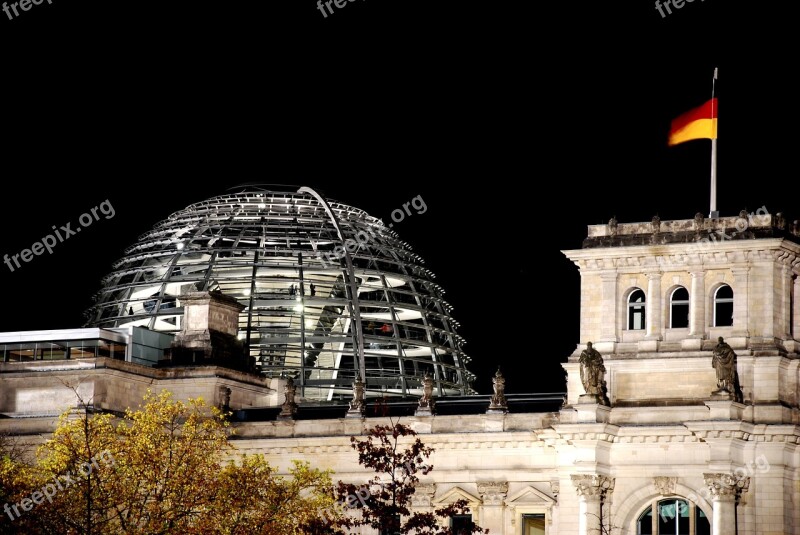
325,286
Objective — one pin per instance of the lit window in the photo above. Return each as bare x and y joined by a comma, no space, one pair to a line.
636,310
672,517
723,306
533,524
679,309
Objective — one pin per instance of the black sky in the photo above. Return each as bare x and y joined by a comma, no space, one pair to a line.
517,123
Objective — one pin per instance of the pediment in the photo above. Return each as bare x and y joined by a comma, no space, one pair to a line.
455,494
530,496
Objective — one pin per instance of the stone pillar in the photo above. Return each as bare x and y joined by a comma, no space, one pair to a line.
724,490
697,305
796,326
209,333
741,297
493,496
653,306
786,303
592,490
608,328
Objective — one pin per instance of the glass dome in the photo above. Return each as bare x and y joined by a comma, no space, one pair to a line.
328,291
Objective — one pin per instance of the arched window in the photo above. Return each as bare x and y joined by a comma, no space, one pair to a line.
673,517
723,306
636,310
679,308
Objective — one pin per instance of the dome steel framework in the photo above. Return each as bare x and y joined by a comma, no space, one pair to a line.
331,293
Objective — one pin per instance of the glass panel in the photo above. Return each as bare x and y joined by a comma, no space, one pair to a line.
683,517
21,352
673,517
725,292
679,310
723,315
701,525
51,351
636,310
645,524
680,294
667,521
679,316
533,524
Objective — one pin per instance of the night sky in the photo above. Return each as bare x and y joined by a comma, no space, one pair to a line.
518,125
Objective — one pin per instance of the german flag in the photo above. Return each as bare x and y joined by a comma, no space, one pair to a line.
699,123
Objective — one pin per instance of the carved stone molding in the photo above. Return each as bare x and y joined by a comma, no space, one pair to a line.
423,495
665,485
591,485
603,437
555,487
493,493
725,486
706,434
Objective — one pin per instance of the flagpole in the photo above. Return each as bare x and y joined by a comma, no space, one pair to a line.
714,213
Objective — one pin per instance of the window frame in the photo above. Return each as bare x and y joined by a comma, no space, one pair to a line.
724,300
687,302
653,508
630,305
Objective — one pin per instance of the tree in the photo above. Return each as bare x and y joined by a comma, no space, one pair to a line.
15,480
284,505
384,500
159,469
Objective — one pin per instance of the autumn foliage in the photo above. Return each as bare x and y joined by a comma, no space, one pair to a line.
396,456
160,469
165,468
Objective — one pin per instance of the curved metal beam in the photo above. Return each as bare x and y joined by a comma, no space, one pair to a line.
350,272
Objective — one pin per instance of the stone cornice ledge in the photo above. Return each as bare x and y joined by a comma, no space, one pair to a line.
567,433
729,430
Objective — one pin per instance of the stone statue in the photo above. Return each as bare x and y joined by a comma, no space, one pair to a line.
427,391
426,401
593,374
656,224
225,399
289,407
613,225
698,221
357,404
724,362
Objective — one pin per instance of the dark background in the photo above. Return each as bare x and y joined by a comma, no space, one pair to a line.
517,123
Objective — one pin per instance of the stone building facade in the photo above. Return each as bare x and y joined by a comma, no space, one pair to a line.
695,428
